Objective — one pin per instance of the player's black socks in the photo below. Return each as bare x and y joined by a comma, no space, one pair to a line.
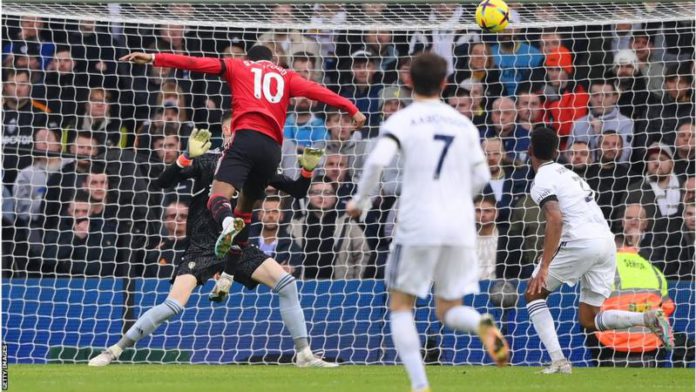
220,207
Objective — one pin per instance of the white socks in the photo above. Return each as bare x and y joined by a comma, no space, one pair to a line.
291,311
149,321
408,345
543,324
618,319
463,319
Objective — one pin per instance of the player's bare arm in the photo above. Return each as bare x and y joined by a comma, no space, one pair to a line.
552,238
138,58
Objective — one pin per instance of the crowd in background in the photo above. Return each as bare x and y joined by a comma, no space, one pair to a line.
84,137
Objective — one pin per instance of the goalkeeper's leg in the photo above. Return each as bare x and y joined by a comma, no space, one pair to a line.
150,320
271,274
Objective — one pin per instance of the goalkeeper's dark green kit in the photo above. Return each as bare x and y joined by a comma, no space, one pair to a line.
202,230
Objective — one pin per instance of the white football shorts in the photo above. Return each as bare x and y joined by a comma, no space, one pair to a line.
453,270
591,262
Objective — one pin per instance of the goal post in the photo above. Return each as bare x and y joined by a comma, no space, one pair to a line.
85,136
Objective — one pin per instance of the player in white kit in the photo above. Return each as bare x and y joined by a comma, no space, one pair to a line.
578,247
443,169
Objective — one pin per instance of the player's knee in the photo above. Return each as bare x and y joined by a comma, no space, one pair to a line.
441,311
588,323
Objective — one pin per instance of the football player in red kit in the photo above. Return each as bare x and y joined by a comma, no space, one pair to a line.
261,92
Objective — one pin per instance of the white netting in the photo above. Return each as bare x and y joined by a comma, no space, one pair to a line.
79,235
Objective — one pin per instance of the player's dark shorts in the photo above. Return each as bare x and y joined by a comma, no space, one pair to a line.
249,162
204,266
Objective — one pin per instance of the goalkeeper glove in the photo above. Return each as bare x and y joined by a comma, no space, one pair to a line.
310,158
198,143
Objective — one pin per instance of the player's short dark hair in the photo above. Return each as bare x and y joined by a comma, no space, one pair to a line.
322,179
544,143
642,34
608,81
259,52
304,56
81,196
488,198
428,71
273,198
681,70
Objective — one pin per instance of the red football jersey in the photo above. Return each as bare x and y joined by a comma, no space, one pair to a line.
261,90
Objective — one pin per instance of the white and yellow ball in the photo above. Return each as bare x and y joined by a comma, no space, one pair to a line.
493,15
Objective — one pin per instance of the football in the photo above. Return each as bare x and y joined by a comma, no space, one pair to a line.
492,15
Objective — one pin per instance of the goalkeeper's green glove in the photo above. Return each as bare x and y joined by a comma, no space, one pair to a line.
198,143
310,158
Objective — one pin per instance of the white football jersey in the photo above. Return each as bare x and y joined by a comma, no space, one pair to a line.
439,150
582,217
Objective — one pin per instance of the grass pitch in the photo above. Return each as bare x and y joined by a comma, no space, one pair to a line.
201,378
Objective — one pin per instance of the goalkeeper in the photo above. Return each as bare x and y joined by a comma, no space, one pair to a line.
199,263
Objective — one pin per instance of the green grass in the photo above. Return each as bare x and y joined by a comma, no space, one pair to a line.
202,378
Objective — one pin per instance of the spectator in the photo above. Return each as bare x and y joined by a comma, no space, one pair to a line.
21,115
327,14
481,69
365,87
475,90
653,69
404,77
609,178
579,158
685,148
530,107
28,42
621,36
99,120
675,107
516,59
305,64
283,41
95,53
271,235
336,168
631,85
507,184
636,281
333,245
447,42
689,191
636,233
64,87
381,43
62,184
96,185
460,100
502,125
30,187
237,50
487,238
302,126
660,191
680,254
566,100
83,245
173,242
345,141
603,116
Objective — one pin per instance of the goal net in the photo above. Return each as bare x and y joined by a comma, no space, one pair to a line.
90,241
